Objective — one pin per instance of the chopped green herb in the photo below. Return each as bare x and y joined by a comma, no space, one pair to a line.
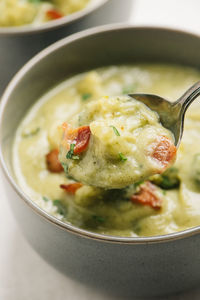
136,184
35,1
98,219
94,221
129,89
168,180
65,167
164,192
86,96
61,209
31,133
168,183
70,153
122,157
115,130
45,198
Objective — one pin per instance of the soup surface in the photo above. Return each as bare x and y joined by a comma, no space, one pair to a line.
162,204
36,12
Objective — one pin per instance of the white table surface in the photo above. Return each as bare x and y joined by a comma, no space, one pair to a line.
23,274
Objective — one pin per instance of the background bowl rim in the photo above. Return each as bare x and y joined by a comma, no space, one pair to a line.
42,213
53,24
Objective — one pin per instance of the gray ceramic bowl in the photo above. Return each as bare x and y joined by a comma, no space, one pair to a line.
19,44
149,266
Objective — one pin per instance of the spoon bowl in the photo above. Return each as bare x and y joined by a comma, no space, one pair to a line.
171,114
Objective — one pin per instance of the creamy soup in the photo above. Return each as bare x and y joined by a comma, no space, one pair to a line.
36,12
162,204
119,142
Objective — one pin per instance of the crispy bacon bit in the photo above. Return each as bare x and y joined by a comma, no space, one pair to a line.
82,140
53,163
72,187
164,151
79,136
53,14
147,196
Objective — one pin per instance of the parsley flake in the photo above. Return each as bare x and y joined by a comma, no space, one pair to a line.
86,96
136,184
115,130
129,89
70,153
99,219
65,167
31,133
35,1
45,198
122,157
61,209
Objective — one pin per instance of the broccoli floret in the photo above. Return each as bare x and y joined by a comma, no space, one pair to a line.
168,180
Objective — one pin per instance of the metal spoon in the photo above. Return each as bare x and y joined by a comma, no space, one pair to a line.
171,113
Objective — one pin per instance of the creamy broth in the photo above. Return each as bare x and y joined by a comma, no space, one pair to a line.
115,212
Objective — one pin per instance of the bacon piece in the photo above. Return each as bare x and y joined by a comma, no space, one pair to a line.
164,151
147,196
79,136
53,14
72,187
53,163
82,140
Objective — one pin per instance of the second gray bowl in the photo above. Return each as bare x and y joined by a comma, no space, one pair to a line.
19,44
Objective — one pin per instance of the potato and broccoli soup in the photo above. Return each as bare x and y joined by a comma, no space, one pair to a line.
87,128
36,12
116,142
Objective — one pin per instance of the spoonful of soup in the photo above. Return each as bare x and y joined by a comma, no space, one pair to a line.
171,114
115,142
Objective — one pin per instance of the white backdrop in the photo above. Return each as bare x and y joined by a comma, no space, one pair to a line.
23,274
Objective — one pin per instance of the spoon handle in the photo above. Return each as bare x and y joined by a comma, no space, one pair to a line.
188,97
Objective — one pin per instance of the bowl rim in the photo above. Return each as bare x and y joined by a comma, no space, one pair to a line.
42,213
53,24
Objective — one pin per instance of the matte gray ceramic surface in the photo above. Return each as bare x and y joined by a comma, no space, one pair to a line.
19,44
150,266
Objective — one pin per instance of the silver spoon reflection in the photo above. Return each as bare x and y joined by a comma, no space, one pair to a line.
171,113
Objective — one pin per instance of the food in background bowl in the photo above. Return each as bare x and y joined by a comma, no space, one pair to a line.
36,12
160,205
